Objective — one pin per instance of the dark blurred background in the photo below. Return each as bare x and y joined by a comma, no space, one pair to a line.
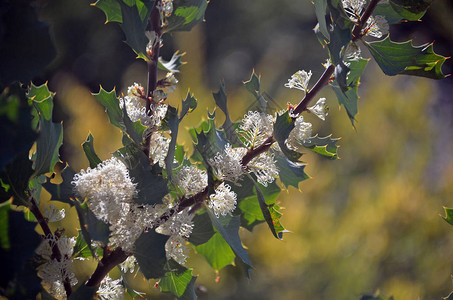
367,221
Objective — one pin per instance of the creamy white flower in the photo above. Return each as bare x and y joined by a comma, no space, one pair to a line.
227,165
299,80
110,289
179,224
176,249
158,148
129,265
320,109
107,187
377,26
153,39
191,180
166,7
64,244
54,214
53,274
223,202
264,167
170,82
354,7
353,52
301,131
256,128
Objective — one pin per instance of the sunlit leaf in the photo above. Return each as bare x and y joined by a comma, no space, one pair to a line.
176,279
217,252
88,148
325,146
150,253
186,14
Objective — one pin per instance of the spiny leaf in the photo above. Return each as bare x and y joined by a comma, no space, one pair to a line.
151,186
411,10
14,180
42,99
111,9
202,229
320,10
176,279
186,14
81,248
290,173
111,104
404,58
221,101
282,128
448,215
64,191
88,148
228,227
253,85
173,64
47,146
217,252
325,146
150,253
188,105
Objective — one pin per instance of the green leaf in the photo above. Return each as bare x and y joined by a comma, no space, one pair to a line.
47,146
202,229
81,248
64,191
88,148
253,85
42,100
221,101
404,58
217,252
15,124
448,215
349,97
134,22
176,280
282,128
449,297
411,10
270,214
290,172
14,180
112,106
188,105
325,146
134,130
97,229
189,293
320,10
172,122
111,9
186,14
151,186
149,251
173,64
228,227
4,227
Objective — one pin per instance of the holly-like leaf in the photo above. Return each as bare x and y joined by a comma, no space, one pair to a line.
42,100
448,215
18,134
47,146
320,10
189,293
228,227
81,248
202,229
173,64
88,148
325,146
347,95
405,58
14,180
449,297
112,106
186,14
151,186
217,252
111,9
188,105
282,128
270,214
290,172
221,101
64,191
411,10
253,85
150,253
176,280
97,229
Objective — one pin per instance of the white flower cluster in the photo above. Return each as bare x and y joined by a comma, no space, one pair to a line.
158,148
110,191
299,80
320,109
301,131
110,289
178,227
166,7
54,272
227,164
54,214
191,180
255,128
223,202
135,102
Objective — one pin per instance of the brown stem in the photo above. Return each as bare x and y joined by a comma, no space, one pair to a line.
323,80
155,25
56,254
357,31
110,260
254,152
